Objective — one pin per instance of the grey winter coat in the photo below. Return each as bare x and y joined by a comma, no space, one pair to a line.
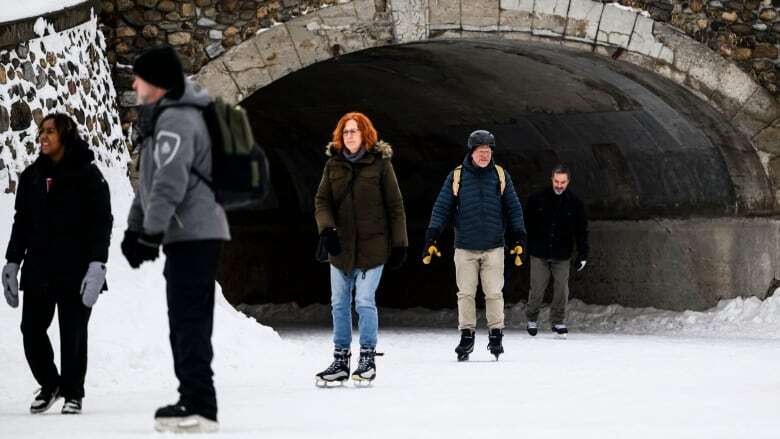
171,199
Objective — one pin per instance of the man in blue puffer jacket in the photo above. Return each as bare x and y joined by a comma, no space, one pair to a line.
483,200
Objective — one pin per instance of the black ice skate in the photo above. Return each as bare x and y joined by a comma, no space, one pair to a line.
466,345
494,342
337,372
532,327
365,372
44,399
560,330
178,418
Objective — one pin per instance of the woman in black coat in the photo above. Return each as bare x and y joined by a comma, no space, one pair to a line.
61,231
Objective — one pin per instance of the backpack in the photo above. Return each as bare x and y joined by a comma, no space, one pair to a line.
456,179
239,166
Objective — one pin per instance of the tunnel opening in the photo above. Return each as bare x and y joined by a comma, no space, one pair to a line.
642,149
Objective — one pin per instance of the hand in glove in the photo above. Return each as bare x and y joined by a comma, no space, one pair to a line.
129,248
517,247
430,249
397,258
11,284
148,247
93,283
581,262
330,239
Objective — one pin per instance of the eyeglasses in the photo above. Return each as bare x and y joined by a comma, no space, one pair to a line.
346,133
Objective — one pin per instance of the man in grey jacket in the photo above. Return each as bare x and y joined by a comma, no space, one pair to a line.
175,208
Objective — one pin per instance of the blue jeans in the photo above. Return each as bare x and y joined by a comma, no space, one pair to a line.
341,286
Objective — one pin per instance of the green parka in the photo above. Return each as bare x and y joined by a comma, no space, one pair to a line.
363,202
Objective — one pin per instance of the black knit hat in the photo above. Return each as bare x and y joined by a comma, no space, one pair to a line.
160,66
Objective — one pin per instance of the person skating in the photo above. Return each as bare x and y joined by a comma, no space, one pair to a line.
361,220
556,222
481,197
175,208
60,237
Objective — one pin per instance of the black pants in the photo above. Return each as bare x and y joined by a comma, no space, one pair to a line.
190,272
37,313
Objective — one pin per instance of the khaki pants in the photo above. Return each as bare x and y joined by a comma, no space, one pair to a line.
485,266
541,269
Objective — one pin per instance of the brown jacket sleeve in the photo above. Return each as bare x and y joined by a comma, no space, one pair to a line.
323,203
394,204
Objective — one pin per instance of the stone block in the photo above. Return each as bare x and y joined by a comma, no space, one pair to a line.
278,51
583,20
215,78
616,26
768,139
760,110
247,68
309,39
643,40
516,15
365,9
410,21
480,15
444,14
550,17
339,16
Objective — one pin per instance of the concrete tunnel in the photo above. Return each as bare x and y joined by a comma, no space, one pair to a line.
679,203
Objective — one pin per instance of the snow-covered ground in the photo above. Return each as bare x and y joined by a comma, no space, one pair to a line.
32,8
623,373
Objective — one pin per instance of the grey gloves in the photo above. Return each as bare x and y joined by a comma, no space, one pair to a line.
93,282
11,284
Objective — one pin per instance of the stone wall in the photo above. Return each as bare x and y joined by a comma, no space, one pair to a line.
59,72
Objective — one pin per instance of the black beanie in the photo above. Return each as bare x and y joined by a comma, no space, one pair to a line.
160,66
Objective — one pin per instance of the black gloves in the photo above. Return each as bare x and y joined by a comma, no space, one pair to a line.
148,247
129,248
397,258
430,249
330,239
140,247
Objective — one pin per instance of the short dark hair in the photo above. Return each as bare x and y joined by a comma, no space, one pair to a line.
67,129
561,169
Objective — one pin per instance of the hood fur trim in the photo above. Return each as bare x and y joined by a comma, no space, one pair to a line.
381,147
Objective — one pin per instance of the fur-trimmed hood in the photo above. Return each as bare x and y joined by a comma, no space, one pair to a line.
381,147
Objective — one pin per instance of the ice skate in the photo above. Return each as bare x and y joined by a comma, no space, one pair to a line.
495,338
177,418
365,373
561,331
466,345
337,372
532,327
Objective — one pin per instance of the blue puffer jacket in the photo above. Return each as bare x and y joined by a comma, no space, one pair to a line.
481,211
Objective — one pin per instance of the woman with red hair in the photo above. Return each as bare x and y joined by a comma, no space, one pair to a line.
362,224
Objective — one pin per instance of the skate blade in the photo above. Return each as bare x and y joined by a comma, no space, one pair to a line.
561,336
324,384
186,424
362,382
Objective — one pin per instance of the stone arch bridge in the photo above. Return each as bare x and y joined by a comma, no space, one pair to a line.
674,148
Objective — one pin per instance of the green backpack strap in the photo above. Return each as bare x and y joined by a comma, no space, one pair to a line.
456,180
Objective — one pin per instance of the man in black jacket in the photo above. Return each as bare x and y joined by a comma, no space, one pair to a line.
556,220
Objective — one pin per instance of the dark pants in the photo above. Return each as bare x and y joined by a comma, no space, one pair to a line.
37,313
190,272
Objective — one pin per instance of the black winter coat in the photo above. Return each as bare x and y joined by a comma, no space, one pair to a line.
555,223
63,221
